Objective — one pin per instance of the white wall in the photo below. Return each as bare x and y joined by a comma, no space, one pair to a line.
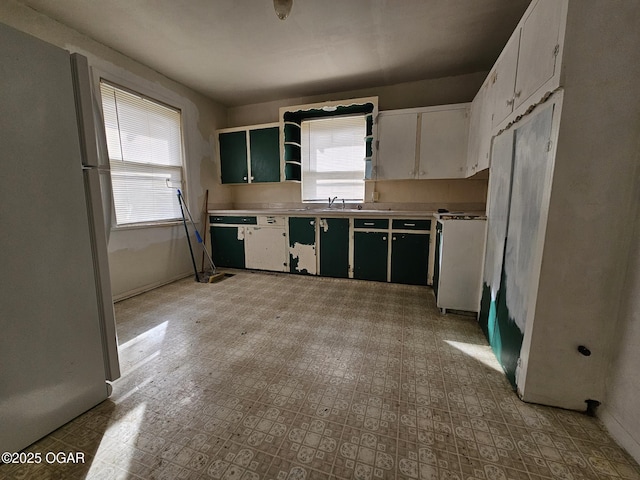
455,194
142,258
621,408
592,209
423,93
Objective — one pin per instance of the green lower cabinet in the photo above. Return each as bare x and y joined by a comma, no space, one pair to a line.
409,258
334,247
302,245
370,255
228,250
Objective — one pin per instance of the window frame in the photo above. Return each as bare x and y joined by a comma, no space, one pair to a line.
156,93
328,118
291,117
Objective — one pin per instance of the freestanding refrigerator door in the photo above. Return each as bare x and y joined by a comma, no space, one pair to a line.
92,180
51,353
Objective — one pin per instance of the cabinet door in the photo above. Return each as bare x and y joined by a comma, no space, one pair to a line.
370,252
233,157
539,47
503,79
334,247
266,248
397,136
302,245
265,154
479,146
409,258
227,245
443,143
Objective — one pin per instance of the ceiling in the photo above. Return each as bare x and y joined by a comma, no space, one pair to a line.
238,52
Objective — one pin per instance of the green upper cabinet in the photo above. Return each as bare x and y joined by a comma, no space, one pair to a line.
265,154
233,157
249,154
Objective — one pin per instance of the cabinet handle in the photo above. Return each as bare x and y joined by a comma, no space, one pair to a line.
384,238
252,177
312,222
244,178
369,223
409,224
394,238
517,95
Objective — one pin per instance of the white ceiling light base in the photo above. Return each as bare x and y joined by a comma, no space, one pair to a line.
282,8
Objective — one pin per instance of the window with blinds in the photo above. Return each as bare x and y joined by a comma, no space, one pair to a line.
333,154
144,141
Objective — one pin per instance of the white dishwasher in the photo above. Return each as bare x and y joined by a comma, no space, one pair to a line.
457,275
265,244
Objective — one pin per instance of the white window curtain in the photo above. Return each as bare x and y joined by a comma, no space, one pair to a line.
144,141
333,158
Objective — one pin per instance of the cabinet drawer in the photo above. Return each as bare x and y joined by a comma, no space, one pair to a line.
270,220
233,220
371,223
411,224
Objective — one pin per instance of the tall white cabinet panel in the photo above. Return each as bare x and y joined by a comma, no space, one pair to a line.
539,48
396,157
443,143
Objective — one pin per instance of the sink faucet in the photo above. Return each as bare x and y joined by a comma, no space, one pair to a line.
331,200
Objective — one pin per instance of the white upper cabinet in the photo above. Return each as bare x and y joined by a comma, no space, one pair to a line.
443,142
397,137
530,62
502,79
479,147
527,70
428,142
539,49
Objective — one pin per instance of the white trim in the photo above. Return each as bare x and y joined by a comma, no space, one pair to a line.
149,287
152,91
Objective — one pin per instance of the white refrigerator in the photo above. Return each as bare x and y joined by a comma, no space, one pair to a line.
58,345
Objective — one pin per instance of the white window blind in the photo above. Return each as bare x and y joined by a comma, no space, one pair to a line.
144,141
333,152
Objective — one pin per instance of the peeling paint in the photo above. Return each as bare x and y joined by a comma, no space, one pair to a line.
324,225
240,233
306,257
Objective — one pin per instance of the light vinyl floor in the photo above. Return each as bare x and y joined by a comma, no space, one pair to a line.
286,377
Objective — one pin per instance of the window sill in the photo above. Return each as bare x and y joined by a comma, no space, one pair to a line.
140,226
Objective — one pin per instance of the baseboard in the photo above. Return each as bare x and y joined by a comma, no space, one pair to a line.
620,434
146,288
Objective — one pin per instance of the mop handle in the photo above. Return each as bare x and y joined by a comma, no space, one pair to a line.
198,237
204,248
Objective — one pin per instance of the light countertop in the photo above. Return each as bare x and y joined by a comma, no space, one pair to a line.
328,212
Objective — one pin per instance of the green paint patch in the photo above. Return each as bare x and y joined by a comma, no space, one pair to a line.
501,330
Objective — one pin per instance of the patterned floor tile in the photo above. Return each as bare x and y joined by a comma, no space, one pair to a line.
352,380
